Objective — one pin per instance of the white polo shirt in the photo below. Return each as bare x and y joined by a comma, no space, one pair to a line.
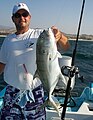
18,52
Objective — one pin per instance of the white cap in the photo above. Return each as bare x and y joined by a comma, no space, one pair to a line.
20,6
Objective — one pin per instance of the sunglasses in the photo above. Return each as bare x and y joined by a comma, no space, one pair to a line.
18,15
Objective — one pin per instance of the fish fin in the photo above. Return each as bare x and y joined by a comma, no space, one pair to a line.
59,54
52,103
42,106
36,75
56,101
62,82
49,102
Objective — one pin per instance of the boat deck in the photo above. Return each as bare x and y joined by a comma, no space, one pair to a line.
84,113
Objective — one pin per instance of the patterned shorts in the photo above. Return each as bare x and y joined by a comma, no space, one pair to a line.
18,106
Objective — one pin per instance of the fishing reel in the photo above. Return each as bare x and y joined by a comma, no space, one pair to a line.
69,71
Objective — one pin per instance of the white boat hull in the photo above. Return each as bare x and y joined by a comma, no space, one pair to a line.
69,116
82,114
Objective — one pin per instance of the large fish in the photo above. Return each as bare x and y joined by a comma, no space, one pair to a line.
48,69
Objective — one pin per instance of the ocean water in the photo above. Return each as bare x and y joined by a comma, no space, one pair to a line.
83,60
2,83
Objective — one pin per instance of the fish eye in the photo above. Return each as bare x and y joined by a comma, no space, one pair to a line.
50,58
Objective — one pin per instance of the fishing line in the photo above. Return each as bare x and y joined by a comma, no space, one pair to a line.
59,15
72,70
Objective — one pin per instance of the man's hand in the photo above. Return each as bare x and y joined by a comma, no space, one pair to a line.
61,39
57,33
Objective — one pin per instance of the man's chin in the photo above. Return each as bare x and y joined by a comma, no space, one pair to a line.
22,25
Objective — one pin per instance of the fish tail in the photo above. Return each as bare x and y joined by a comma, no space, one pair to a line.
49,102
52,103
42,106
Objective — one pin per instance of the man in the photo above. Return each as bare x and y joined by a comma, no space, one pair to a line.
17,59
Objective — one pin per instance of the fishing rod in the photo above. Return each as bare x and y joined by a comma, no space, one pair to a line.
72,70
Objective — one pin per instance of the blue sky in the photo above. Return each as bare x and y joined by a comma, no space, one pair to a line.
64,14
